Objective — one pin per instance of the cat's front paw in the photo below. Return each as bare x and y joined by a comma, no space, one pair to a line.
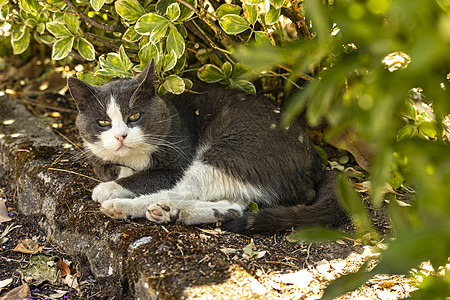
109,190
112,209
162,213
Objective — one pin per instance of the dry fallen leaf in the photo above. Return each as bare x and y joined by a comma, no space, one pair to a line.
350,141
300,279
28,246
58,294
5,283
323,266
63,268
18,293
4,212
71,281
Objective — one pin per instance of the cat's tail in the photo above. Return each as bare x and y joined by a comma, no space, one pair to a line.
326,211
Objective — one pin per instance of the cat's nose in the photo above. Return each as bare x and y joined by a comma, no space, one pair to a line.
121,138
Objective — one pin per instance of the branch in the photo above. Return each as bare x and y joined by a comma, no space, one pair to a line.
203,16
297,19
195,29
108,43
116,27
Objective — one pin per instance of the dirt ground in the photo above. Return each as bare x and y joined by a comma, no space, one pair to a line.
298,271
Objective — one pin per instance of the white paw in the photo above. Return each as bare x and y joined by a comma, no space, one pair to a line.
162,213
117,208
109,190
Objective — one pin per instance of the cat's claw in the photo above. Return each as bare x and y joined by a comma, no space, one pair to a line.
162,213
109,190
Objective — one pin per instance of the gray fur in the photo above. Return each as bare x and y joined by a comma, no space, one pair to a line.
233,137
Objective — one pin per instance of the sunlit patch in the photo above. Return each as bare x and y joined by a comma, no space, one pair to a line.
9,122
14,135
79,68
9,91
395,61
1,136
43,86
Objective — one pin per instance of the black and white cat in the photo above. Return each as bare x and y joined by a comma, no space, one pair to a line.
200,158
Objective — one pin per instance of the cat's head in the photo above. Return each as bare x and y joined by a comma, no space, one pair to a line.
118,119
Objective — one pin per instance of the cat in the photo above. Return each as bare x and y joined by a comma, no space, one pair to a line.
200,157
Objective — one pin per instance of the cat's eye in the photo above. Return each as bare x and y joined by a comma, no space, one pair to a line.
104,123
135,117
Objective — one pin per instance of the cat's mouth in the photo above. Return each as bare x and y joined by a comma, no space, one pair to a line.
123,148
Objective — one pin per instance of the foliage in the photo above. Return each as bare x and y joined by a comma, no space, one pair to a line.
364,65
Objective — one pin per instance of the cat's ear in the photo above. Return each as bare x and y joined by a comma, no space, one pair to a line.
147,74
81,92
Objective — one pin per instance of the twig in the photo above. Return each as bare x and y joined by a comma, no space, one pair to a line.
75,173
198,31
62,109
72,143
282,263
307,255
116,27
108,43
203,16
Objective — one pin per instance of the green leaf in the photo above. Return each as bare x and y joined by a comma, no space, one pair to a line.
62,47
92,79
253,206
153,25
188,83
396,179
210,73
317,234
185,12
243,85
97,4
18,32
353,205
173,12
3,2
379,172
174,84
277,3
347,282
428,128
169,61
47,39
20,39
175,42
251,13
226,9
130,10
233,24
86,49
116,64
147,52
238,70
261,38
227,69
72,22
406,132
131,35
40,28
31,21
58,30
30,6
272,16
180,64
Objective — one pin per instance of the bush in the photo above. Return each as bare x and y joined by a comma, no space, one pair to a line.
367,67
